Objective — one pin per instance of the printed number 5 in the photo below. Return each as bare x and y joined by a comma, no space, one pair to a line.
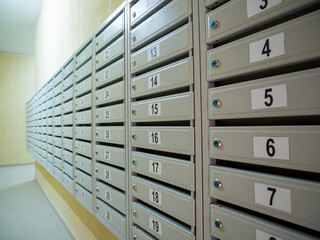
267,94
264,5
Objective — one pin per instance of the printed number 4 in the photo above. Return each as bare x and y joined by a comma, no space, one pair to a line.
266,48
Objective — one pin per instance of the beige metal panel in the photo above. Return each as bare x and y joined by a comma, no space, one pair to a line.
172,76
112,217
67,82
110,93
114,29
268,97
57,141
160,22
110,73
246,17
111,134
57,162
83,148
83,117
169,170
83,163
114,113
172,202
110,53
83,86
83,133
67,107
68,169
169,139
57,121
84,55
277,146
83,102
50,111
159,225
111,155
50,139
57,100
57,131
293,200
67,144
84,197
50,149
57,152
257,53
169,108
67,132
57,79
251,226
144,8
50,100
57,89
83,71
67,119
67,183
140,234
68,68
110,195
67,95
57,110
67,156
111,175
165,48
83,179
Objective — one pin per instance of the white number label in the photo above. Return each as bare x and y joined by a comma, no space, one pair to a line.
81,132
108,195
106,74
155,196
81,71
82,164
106,54
267,48
107,114
154,81
154,109
107,134
81,148
83,195
155,167
271,147
107,175
107,94
81,86
155,225
105,36
270,97
81,117
273,197
82,180
153,52
107,155
260,235
81,56
154,138
257,6
108,215
81,102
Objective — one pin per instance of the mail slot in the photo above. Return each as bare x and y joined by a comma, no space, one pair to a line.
110,93
67,156
110,73
67,144
110,155
84,55
277,146
57,152
67,132
83,133
140,234
68,69
67,119
50,156
290,199
111,134
83,179
256,55
169,108
84,197
214,3
268,97
110,53
159,225
252,227
83,148
68,169
83,102
67,95
112,196
83,86
111,175
169,139
170,201
57,100
49,121
57,141
167,47
111,217
113,30
167,17
169,170
57,89
67,107
57,174
57,162
83,71
172,76
114,113
247,16
83,117
68,183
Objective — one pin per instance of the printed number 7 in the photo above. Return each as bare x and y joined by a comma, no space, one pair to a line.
273,190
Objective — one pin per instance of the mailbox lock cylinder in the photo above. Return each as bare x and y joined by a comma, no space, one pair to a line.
217,143
215,63
214,24
216,102
217,183
218,223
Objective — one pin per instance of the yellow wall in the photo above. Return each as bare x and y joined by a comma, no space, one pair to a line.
17,86
62,28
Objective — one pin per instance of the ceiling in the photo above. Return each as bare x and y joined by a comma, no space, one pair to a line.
18,19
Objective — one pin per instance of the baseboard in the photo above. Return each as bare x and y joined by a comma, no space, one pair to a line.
17,164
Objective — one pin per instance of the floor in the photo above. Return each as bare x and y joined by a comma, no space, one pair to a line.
25,212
